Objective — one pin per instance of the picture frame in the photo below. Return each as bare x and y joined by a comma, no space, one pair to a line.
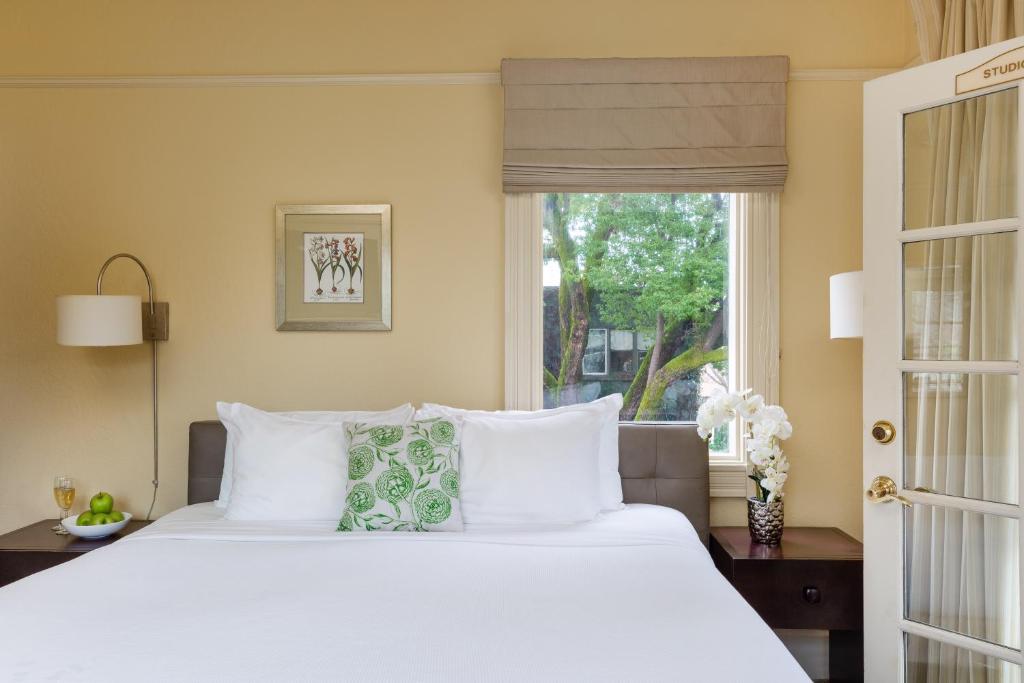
333,270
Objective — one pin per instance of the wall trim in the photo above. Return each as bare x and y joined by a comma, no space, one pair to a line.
728,480
297,80
229,81
524,302
839,74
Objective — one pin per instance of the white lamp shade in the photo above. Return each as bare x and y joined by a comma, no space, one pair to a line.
99,320
846,305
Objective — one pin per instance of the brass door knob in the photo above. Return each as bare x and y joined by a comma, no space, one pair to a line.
883,490
883,431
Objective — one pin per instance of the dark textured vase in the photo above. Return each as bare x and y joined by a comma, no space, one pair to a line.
765,521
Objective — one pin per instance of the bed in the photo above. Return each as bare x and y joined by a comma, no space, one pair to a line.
630,596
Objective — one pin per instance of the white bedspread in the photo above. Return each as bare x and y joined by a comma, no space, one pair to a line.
631,596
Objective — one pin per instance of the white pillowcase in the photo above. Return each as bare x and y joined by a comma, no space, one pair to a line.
538,471
608,447
284,469
399,415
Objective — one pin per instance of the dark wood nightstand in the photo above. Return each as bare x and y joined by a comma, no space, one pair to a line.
35,547
814,580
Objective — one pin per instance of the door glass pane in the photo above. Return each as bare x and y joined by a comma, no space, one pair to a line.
959,298
929,661
960,161
961,434
961,572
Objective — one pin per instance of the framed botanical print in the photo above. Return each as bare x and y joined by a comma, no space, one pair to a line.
334,267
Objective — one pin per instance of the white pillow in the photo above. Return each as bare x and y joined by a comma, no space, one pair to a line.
538,471
284,469
608,449
399,415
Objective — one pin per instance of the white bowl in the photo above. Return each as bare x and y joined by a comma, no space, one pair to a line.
96,531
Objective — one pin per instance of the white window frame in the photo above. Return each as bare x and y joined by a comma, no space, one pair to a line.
754,314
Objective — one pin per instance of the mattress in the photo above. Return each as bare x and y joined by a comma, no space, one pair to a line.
630,596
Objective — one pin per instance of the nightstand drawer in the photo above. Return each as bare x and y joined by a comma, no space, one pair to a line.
813,594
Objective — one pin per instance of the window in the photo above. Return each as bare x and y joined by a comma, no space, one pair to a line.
656,296
635,291
595,356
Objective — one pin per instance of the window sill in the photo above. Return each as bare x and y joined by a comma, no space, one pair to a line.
728,480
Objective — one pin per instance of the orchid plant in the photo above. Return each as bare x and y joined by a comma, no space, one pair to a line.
767,425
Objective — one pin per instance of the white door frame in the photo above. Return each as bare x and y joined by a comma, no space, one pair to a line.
885,100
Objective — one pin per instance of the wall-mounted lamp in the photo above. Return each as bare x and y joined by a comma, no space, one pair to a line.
846,305
117,320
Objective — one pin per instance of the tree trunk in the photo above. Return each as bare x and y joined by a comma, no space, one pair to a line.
670,339
573,296
655,363
689,360
649,399
574,344
713,337
631,400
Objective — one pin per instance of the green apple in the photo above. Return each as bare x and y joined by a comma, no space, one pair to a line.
101,502
85,519
99,518
116,516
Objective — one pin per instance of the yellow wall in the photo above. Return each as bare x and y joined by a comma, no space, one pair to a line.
188,178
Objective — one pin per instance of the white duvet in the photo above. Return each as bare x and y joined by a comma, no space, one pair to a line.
631,596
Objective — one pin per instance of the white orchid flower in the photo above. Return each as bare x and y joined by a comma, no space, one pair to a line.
763,453
758,458
769,425
772,482
765,429
748,408
732,400
704,426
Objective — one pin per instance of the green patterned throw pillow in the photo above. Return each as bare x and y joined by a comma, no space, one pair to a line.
403,477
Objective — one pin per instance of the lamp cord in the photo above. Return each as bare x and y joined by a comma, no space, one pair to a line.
156,441
152,315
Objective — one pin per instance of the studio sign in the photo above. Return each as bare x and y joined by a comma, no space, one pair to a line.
1007,67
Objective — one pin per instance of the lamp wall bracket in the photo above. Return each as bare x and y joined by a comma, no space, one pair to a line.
156,324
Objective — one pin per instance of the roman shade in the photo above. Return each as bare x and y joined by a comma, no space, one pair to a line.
715,124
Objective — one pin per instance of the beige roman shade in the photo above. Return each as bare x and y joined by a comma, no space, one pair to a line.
714,124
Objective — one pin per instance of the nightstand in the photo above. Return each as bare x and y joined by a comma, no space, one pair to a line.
814,580
34,548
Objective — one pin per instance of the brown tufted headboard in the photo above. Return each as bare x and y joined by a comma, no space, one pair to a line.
664,464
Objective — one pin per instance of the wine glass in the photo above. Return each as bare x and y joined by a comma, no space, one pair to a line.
64,494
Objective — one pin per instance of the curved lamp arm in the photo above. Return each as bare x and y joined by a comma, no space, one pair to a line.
152,312
149,280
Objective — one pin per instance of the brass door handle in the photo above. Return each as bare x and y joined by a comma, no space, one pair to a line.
883,490
883,431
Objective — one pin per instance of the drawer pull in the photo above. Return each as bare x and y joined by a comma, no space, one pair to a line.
812,595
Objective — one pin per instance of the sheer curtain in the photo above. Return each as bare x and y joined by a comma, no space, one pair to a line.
949,27
962,567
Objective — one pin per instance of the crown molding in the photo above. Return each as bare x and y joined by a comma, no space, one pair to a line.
838,74
285,80
291,80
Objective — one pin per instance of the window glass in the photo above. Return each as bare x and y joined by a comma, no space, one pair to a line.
595,358
635,292
960,161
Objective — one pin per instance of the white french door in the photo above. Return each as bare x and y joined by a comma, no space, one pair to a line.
943,258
